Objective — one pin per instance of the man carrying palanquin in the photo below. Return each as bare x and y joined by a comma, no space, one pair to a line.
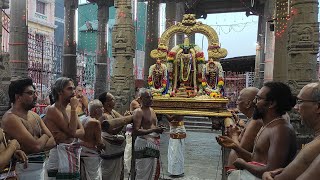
112,166
24,125
10,152
92,143
275,143
148,139
64,159
246,136
308,107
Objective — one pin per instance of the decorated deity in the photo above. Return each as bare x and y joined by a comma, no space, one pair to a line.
183,68
157,79
212,73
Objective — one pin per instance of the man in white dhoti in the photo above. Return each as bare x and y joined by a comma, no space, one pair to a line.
148,140
91,143
112,156
24,125
176,146
64,160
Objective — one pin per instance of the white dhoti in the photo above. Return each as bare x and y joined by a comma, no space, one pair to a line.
147,152
112,164
128,152
52,164
176,148
176,156
90,164
35,169
64,160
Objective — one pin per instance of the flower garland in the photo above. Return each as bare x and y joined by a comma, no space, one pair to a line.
200,57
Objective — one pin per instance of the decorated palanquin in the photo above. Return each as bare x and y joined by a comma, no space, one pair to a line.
182,81
183,71
185,83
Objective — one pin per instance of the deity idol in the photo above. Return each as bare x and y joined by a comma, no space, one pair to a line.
183,69
212,74
157,79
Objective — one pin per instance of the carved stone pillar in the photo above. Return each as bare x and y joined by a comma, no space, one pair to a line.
123,50
303,44
151,33
69,65
100,85
5,75
303,47
18,39
170,18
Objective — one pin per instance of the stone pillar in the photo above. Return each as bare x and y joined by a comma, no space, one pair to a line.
180,11
18,42
303,44
69,65
100,85
303,47
151,33
280,70
123,50
170,18
259,63
5,75
269,43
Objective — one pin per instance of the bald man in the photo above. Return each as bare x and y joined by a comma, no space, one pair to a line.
246,136
92,142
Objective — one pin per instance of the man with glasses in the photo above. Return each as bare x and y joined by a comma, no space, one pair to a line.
309,108
66,128
275,144
24,125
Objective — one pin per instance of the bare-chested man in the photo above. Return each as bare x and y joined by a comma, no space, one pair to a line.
66,129
246,136
308,107
24,125
92,142
275,143
10,152
112,164
83,102
135,104
148,138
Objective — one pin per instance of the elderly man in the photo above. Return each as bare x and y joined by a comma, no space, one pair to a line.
308,106
92,142
275,143
246,136
24,125
147,142
66,129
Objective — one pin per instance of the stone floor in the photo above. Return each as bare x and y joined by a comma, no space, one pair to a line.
202,156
